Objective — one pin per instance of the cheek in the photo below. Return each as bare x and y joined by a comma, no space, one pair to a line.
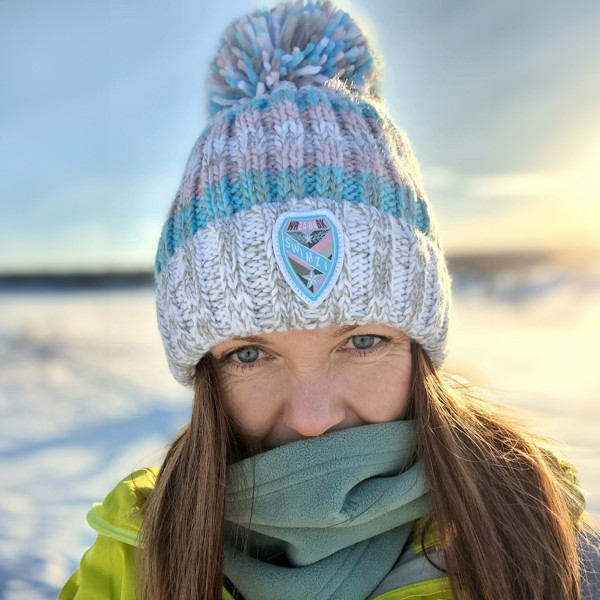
379,392
253,405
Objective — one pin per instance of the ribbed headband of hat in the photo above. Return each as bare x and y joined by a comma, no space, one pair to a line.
301,204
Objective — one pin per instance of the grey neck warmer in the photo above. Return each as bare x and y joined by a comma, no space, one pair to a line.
330,514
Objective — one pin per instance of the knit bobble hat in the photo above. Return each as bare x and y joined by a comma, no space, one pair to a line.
301,204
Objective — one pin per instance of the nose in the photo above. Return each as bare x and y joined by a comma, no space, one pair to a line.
313,405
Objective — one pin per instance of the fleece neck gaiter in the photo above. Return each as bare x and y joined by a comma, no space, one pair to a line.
326,517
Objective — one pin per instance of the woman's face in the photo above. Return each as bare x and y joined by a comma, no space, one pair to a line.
283,387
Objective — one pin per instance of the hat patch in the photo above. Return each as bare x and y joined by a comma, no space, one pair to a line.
309,247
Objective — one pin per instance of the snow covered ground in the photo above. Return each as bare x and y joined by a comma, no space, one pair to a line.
86,397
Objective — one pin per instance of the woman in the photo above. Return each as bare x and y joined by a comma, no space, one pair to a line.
302,291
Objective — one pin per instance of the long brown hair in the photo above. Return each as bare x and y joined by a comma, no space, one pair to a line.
506,507
507,510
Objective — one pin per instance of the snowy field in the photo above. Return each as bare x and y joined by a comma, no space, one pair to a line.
86,397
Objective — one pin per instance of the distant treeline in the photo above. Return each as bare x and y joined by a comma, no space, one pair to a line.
459,264
75,281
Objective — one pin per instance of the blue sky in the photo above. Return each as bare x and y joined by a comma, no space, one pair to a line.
100,105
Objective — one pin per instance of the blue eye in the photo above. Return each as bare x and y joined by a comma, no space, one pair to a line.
248,354
364,342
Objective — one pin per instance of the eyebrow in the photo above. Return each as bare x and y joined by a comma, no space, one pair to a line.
345,329
249,338
257,339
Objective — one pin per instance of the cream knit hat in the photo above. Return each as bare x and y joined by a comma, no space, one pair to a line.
301,204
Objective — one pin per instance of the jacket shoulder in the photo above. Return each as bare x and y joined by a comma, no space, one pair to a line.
589,556
107,570
118,516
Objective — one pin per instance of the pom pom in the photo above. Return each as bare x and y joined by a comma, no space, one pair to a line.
306,43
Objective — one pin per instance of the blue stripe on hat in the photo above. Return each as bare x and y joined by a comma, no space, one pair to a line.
356,187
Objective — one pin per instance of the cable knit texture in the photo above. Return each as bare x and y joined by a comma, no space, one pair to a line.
304,139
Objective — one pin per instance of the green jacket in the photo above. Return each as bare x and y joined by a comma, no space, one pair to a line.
107,569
